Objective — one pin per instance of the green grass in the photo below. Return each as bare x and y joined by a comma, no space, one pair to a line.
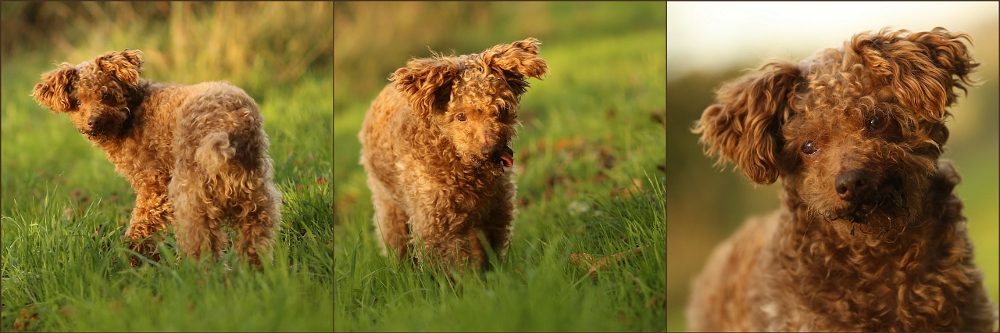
590,158
64,209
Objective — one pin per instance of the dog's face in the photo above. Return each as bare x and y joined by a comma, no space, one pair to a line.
473,99
855,133
95,93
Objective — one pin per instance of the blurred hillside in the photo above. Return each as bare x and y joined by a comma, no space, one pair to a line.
375,38
255,45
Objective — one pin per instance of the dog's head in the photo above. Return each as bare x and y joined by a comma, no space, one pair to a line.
854,132
96,94
473,99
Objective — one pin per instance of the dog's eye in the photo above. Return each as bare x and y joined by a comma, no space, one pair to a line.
809,148
460,117
106,97
877,123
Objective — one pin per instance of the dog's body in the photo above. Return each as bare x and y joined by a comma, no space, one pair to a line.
196,155
436,147
870,236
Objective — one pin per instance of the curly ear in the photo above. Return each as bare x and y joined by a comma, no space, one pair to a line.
426,84
919,67
745,125
516,61
54,91
125,65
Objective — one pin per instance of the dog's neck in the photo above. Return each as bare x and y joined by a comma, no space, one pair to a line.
121,147
139,94
833,262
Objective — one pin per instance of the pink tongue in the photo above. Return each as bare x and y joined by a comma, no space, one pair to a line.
506,157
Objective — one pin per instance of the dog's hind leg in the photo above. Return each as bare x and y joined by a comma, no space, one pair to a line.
197,214
257,214
390,222
198,191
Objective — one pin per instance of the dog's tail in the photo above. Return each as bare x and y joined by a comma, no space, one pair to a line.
214,152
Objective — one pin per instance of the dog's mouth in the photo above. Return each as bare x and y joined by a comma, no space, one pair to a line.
497,158
886,197
96,131
504,156
108,125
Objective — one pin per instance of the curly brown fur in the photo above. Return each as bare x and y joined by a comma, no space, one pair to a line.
436,147
195,155
855,135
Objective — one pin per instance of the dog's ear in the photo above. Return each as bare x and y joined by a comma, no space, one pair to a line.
919,67
426,84
744,125
55,90
124,65
517,61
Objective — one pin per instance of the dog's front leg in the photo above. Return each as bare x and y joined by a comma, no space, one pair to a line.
446,240
152,213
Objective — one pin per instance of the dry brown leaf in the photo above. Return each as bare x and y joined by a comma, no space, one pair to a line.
586,261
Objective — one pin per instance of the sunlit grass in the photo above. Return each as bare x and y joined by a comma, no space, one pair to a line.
64,261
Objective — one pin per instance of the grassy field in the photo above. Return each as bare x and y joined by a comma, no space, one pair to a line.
590,179
64,208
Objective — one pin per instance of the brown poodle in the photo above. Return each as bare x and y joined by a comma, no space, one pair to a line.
870,236
195,155
436,146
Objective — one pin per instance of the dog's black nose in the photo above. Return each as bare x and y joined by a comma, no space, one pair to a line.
852,184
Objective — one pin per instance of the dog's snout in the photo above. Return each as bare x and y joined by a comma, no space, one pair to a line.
95,125
501,154
852,183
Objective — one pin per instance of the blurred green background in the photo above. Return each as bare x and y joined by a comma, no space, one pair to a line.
705,203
